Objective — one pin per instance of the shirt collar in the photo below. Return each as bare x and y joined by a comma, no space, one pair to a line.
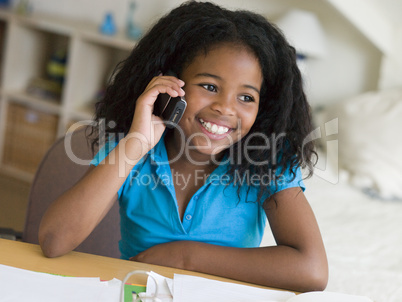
158,154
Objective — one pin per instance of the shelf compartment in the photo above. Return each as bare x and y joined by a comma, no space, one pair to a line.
85,84
29,133
27,55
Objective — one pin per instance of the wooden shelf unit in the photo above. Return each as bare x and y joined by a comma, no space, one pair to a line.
26,45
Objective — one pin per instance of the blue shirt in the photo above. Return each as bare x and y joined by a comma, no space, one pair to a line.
215,214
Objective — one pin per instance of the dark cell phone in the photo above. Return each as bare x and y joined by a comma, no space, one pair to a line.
170,109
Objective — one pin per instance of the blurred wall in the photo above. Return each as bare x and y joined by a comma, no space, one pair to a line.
351,66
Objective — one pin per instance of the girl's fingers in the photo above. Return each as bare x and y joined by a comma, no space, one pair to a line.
170,81
171,90
169,86
149,96
162,86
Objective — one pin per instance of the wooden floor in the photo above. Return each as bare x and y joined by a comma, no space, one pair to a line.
13,202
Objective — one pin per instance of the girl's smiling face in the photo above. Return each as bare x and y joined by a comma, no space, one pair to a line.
222,93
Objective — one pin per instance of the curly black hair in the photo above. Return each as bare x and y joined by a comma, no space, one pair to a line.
194,27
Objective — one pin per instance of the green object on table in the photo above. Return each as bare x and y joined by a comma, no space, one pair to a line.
130,288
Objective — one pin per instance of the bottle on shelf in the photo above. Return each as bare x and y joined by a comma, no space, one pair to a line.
133,31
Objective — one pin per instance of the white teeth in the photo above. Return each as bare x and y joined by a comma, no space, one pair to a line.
222,130
213,128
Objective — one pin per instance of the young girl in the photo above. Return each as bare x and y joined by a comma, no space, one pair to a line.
197,196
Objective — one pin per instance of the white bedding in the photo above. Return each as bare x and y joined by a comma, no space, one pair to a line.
370,140
363,239
363,235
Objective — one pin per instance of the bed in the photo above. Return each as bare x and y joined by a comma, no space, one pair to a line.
356,196
363,239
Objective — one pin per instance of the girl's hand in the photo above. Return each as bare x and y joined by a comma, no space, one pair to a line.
146,126
170,254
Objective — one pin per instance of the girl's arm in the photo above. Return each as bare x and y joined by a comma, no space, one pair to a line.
74,215
298,262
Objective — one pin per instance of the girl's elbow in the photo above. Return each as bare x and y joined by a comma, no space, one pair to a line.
48,248
316,276
318,280
51,245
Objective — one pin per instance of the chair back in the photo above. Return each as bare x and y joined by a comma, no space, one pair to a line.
57,173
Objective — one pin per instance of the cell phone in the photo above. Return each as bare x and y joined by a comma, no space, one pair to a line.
170,109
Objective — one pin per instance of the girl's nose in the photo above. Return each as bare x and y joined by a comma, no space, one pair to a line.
225,105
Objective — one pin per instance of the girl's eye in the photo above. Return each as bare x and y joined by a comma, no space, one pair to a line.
247,98
209,87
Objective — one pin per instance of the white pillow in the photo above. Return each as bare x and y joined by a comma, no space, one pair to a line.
370,141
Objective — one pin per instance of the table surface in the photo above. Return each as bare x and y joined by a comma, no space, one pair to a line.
29,256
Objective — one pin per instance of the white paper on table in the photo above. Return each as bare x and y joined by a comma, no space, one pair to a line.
24,285
323,296
164,291
169,283
197,289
